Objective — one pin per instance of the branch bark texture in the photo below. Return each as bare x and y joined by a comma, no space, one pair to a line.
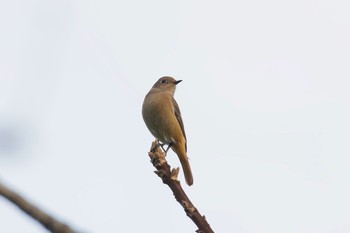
43,218
169,177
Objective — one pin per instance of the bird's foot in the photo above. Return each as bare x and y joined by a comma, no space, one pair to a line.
162,146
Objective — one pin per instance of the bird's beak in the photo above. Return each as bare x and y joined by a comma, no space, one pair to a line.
178,81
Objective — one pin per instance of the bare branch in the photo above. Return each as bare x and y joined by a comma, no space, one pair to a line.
169,177
43,218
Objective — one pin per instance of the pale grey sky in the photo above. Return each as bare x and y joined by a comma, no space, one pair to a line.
265,102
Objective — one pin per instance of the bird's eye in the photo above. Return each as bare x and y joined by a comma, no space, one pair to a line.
163,81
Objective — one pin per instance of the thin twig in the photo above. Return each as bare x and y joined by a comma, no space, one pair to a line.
43,218
169,177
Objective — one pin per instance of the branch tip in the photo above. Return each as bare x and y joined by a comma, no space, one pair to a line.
169,177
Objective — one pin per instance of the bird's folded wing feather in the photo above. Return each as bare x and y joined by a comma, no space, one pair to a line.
179,119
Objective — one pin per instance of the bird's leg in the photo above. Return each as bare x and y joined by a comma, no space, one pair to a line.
163,144
159,144
169,146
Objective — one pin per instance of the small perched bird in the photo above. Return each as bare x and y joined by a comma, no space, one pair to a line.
163,119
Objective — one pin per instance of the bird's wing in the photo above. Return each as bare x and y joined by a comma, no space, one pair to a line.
179,119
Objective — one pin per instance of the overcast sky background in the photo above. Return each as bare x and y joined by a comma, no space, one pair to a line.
265,102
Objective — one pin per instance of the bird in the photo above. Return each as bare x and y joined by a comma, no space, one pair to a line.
162,116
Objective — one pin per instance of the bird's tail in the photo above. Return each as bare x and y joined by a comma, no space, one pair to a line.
185,164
